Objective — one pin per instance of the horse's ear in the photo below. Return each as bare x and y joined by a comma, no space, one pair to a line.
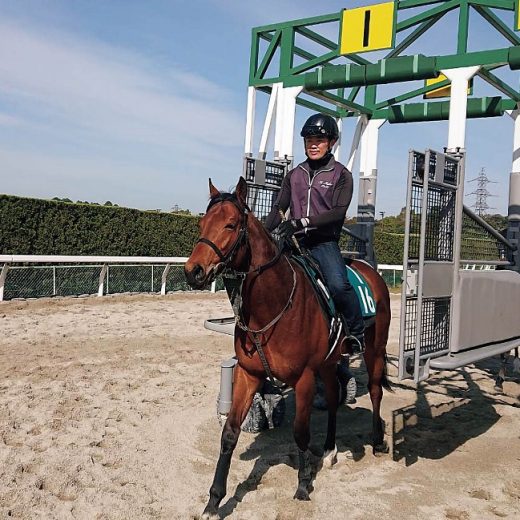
213,192
241,191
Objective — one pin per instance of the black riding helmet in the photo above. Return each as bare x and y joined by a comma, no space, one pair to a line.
322,125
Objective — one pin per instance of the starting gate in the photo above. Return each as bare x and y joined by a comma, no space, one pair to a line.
450,315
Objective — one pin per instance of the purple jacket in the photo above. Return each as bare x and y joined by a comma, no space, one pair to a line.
323,198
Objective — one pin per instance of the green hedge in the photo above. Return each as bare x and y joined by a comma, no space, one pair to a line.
43,227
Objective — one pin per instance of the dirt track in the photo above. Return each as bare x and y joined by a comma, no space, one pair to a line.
107,410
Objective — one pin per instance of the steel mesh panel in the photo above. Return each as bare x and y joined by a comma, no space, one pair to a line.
432,166
29,282
418,166
48,281
415,221
450,171
175,280
435,332
250,169
410,330
392,277
261,199
274,174
129,278
440,224
81,279
354,244
478,244
435,319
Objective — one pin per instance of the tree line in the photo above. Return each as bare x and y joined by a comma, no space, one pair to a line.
54,227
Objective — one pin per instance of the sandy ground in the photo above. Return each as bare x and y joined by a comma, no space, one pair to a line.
107,410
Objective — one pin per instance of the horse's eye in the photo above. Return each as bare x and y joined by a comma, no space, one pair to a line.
230,226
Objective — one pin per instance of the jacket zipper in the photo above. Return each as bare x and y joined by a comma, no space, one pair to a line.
310,185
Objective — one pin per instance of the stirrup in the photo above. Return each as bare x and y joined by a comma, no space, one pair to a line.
357,344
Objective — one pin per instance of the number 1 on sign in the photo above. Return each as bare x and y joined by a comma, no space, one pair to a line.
368,28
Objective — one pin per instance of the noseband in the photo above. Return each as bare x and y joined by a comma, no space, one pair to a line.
227,258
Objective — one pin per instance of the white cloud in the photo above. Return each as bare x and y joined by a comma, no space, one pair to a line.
111,92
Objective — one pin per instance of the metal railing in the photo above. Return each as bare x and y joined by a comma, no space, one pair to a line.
47,276
78,275
481,243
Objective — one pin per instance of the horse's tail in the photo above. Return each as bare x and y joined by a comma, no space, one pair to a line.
384,379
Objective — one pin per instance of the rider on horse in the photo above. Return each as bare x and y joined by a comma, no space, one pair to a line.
318,193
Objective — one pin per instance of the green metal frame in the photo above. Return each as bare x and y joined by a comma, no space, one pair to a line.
293,63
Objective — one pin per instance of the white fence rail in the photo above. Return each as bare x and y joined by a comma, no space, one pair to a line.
78,275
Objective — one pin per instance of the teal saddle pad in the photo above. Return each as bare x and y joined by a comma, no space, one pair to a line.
363,292
361,288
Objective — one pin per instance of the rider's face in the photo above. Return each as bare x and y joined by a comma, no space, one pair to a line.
316,147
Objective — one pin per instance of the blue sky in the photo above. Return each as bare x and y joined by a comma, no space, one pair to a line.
139,102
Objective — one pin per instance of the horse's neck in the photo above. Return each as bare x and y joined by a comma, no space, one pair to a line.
259,289
262,248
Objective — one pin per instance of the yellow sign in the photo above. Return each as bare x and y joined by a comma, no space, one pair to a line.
517,17
369,28
441,92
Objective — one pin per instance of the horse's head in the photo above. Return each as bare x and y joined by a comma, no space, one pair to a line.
223,233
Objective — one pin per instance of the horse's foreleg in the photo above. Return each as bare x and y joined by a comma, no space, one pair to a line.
375,363
328,375
244,389
304,391
501,377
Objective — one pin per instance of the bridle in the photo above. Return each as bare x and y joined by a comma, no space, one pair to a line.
227,258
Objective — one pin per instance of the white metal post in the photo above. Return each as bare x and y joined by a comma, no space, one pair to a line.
289,112
360,128
279,123
458,105
262,150
368,167
163,279
3,276
514,180
250,121
102,275
337,147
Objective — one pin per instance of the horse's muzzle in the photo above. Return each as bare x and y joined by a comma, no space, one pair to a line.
195,276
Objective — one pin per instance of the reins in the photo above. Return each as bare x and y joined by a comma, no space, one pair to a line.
225,260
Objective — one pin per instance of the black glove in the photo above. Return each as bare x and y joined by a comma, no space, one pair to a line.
288,227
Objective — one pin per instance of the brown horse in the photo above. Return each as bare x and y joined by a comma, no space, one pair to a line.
280,320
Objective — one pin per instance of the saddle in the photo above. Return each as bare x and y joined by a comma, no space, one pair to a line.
358,282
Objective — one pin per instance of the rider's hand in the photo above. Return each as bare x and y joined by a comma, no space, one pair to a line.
288,227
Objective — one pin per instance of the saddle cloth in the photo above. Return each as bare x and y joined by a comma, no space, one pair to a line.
358,282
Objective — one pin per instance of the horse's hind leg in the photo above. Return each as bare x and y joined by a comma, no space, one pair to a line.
244,390
375,362
304,392
330,451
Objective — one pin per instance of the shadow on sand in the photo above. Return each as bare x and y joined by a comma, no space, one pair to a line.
274,447
420,430
433,431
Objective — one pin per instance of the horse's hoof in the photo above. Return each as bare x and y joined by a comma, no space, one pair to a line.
302,494
207,515
499,384
330,457
380,449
